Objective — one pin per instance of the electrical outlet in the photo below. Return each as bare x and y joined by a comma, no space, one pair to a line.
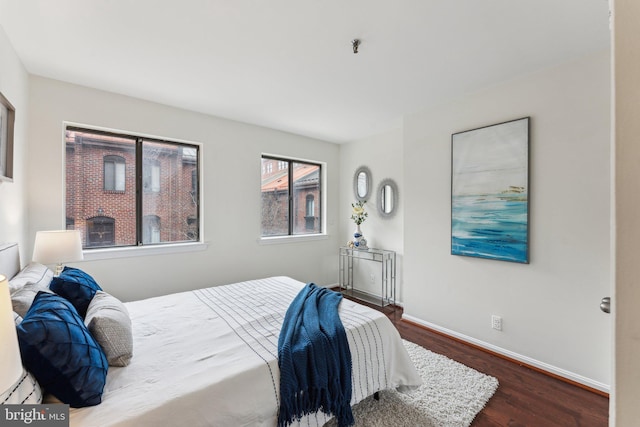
496,322
373,279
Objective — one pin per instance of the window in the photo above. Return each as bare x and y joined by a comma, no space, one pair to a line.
152,187
151,176
310,205
114,173
289,197
151,229
309,215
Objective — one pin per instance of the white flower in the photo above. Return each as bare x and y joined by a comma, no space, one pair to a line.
359,214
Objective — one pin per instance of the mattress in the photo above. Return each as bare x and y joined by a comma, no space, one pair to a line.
209,358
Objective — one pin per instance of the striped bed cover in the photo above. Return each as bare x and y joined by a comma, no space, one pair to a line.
209,358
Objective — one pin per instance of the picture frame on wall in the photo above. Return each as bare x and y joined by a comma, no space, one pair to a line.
490,192
7,122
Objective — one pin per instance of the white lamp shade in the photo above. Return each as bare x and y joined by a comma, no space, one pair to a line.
55,247
10,361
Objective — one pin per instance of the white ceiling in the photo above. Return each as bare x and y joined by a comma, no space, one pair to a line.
288,64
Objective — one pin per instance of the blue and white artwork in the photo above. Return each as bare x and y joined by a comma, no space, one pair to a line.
490,192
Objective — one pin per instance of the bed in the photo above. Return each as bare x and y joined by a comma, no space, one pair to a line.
208,357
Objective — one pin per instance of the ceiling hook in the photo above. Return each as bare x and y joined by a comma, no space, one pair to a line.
355,43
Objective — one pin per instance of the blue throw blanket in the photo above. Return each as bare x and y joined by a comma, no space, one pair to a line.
314,358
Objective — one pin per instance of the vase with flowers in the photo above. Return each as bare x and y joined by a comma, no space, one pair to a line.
358,216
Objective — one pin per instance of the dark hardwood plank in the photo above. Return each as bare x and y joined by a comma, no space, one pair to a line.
525,396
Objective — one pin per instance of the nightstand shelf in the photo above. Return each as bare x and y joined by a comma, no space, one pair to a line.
387,260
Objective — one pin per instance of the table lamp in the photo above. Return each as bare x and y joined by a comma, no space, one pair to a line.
17,386
56,247
10,361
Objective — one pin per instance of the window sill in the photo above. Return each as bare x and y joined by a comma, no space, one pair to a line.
277,240
134,251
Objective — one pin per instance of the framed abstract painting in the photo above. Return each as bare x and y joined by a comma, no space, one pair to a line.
490,192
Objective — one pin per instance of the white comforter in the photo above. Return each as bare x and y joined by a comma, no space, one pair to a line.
209,358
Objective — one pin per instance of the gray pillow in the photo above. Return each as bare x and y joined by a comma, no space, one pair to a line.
108,321
32,273
17,319
22,298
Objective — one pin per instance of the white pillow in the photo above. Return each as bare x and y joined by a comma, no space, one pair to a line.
32,273
108,321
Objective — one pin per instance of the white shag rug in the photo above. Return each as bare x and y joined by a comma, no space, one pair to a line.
451,395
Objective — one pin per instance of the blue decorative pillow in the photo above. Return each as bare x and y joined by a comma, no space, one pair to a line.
59,351
76,286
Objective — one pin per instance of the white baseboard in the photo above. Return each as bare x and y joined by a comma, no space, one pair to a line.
510,354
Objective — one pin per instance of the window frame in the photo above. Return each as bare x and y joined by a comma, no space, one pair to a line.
322,199
113,252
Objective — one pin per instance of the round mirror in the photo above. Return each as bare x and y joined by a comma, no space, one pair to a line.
387,198
362,183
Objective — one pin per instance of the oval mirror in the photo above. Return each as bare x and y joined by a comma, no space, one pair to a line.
362,183
387,198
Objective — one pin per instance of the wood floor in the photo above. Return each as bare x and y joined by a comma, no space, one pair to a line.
525,397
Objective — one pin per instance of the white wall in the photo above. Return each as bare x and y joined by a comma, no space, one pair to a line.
231,164
624,409
550,306
14,85
382,154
